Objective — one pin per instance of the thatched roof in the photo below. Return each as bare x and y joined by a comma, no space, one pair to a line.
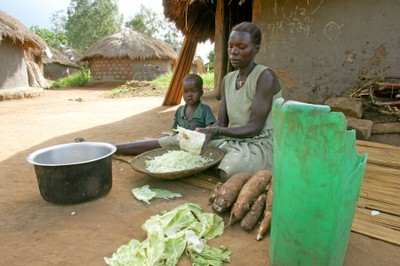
194,18
73,54
56,56
13,29
132,44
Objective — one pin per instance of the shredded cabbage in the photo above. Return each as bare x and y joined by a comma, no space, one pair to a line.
173,161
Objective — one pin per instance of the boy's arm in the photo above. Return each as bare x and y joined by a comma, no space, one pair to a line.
175,123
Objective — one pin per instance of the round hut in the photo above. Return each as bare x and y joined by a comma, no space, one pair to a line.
73,55
22,50
57,65
128,55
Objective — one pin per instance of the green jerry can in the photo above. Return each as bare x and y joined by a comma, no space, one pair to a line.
317,180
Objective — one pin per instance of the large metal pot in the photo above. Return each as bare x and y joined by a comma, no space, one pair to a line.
74,172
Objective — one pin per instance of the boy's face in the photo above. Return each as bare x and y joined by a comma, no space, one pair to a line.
191,94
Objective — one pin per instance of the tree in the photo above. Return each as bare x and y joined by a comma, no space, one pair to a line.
56,40
210,57
58,20
210,63
89,20
157,26
146,22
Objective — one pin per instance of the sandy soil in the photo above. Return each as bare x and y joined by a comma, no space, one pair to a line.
36,232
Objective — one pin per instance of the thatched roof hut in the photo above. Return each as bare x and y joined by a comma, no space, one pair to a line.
73,55
57,65
129,55
56,56
22,50
12,29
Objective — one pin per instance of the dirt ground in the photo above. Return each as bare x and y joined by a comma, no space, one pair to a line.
36,232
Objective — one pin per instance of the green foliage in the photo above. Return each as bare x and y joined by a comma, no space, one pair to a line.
58,20
157,87
162,81
156,26
208,81
210,58
78,79
58,41
146,21
123,89
89,20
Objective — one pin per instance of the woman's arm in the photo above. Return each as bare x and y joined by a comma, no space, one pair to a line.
222,120
267,87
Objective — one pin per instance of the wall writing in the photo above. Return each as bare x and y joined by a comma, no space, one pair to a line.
297,20
332,30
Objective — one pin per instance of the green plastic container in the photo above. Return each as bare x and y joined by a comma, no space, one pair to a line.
317,180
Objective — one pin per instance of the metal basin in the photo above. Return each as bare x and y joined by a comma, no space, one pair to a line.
74,172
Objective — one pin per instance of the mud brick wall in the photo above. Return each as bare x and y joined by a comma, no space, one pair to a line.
123,69
111,69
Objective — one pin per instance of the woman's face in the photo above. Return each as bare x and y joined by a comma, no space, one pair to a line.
191,94
241,49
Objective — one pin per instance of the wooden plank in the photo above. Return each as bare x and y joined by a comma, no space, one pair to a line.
389,158
375,203
395,186
382,173
387,220
376,231
363,143
379,188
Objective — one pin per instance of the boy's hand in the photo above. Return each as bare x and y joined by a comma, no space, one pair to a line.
167,133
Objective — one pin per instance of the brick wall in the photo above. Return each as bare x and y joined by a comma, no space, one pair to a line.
111,69
123,69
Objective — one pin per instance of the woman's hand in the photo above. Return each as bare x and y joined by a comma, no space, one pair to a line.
210,133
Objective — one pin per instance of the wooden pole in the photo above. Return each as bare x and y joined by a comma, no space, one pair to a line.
185,59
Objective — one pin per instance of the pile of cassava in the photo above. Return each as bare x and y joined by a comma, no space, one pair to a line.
249,199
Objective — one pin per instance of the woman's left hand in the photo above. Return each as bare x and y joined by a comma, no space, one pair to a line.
210,133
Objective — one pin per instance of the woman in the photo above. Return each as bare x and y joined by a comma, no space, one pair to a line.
244,128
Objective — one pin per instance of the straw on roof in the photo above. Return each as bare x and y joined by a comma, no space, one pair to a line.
132,44
57,57
73,54
194,18
13,29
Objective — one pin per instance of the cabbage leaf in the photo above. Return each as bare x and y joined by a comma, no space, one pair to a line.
184,229
190,140
145,193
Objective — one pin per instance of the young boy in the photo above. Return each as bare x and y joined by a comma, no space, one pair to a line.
194,114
